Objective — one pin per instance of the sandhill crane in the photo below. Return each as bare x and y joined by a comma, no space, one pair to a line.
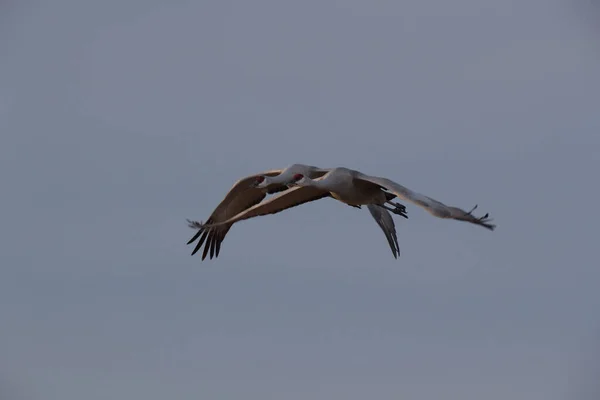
252,189
244,194
353,188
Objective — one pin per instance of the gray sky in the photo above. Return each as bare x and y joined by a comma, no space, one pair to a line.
122,118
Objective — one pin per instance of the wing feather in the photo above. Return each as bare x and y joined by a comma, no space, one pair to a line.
280,202
239,198
386,223
201,241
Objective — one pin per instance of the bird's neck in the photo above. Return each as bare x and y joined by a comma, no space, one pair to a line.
275,179
321,184
281,178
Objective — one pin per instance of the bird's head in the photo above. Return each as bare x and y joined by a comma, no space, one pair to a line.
297,180
260,182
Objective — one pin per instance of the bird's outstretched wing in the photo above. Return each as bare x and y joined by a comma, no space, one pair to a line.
386,223
279,202
434,207
240,197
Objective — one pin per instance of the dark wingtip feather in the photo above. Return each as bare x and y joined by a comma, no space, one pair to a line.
197,225
218,249
193,239
396,242
213,244
390,240
208,246
199,245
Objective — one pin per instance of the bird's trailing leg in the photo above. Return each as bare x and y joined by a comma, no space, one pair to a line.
472,209
483,220
195,224
479,218
398,209
397,205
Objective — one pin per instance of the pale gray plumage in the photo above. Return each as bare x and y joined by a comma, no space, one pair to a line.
434,207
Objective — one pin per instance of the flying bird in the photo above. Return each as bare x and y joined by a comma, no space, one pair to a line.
251,190
353,188
244,194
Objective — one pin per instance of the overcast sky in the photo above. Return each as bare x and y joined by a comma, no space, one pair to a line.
122,118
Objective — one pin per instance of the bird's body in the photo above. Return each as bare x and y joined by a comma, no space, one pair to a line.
340,183
356,189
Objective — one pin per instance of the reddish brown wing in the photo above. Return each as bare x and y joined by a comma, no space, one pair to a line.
236,201
239,198
280,202
213,235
